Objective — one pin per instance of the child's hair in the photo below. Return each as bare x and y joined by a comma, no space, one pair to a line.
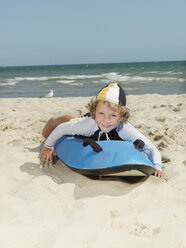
124,112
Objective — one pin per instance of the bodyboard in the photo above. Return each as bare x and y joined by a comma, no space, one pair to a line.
116,158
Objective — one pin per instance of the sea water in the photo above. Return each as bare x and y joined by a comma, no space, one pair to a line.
87,79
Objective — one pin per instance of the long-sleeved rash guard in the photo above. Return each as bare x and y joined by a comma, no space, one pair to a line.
87,127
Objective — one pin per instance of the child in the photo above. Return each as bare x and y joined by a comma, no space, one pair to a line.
108,121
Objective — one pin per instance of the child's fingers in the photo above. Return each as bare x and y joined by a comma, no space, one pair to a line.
50,159
46,158
159,173
156,173
41,155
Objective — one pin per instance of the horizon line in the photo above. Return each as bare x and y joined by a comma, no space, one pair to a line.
96,63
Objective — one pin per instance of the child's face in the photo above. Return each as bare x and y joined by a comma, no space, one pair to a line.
105,117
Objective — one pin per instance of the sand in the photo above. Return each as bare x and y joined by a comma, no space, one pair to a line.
56,207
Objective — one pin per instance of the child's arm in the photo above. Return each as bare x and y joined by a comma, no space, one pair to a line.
128,132
84,127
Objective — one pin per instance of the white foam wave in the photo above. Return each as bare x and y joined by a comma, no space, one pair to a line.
105,78
59,79
70,77
77,77
104,81
65,81
132,88
32,78
151,72
163,73
9,82
12,83
115,77
126,79
171,72
77,84
109,74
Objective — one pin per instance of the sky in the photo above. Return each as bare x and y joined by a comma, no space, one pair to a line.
49,32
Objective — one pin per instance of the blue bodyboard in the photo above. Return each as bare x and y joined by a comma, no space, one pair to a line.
115,157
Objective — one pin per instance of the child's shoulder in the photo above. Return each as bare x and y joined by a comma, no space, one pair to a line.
124,125
83,120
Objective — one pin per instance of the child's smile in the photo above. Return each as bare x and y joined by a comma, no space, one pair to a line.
106,118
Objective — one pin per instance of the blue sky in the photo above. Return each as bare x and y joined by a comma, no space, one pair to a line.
43,32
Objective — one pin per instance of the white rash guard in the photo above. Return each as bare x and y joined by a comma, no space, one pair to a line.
87,127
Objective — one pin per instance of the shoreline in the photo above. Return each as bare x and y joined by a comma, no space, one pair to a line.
59,97
46,207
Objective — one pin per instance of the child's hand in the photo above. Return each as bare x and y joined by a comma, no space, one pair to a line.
46,156
159,173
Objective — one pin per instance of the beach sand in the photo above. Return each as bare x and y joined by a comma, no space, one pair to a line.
56,207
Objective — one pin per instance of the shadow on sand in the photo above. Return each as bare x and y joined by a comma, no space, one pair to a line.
84,186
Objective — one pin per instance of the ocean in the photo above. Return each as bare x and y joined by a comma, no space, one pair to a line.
86,80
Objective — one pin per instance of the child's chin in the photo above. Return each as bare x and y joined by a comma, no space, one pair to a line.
106,130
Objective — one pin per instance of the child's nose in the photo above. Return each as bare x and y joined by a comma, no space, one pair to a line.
106,118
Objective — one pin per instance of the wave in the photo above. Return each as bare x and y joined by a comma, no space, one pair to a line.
13,83
65,81
71,77
99,78
163,72
114,77
162,79
171,72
